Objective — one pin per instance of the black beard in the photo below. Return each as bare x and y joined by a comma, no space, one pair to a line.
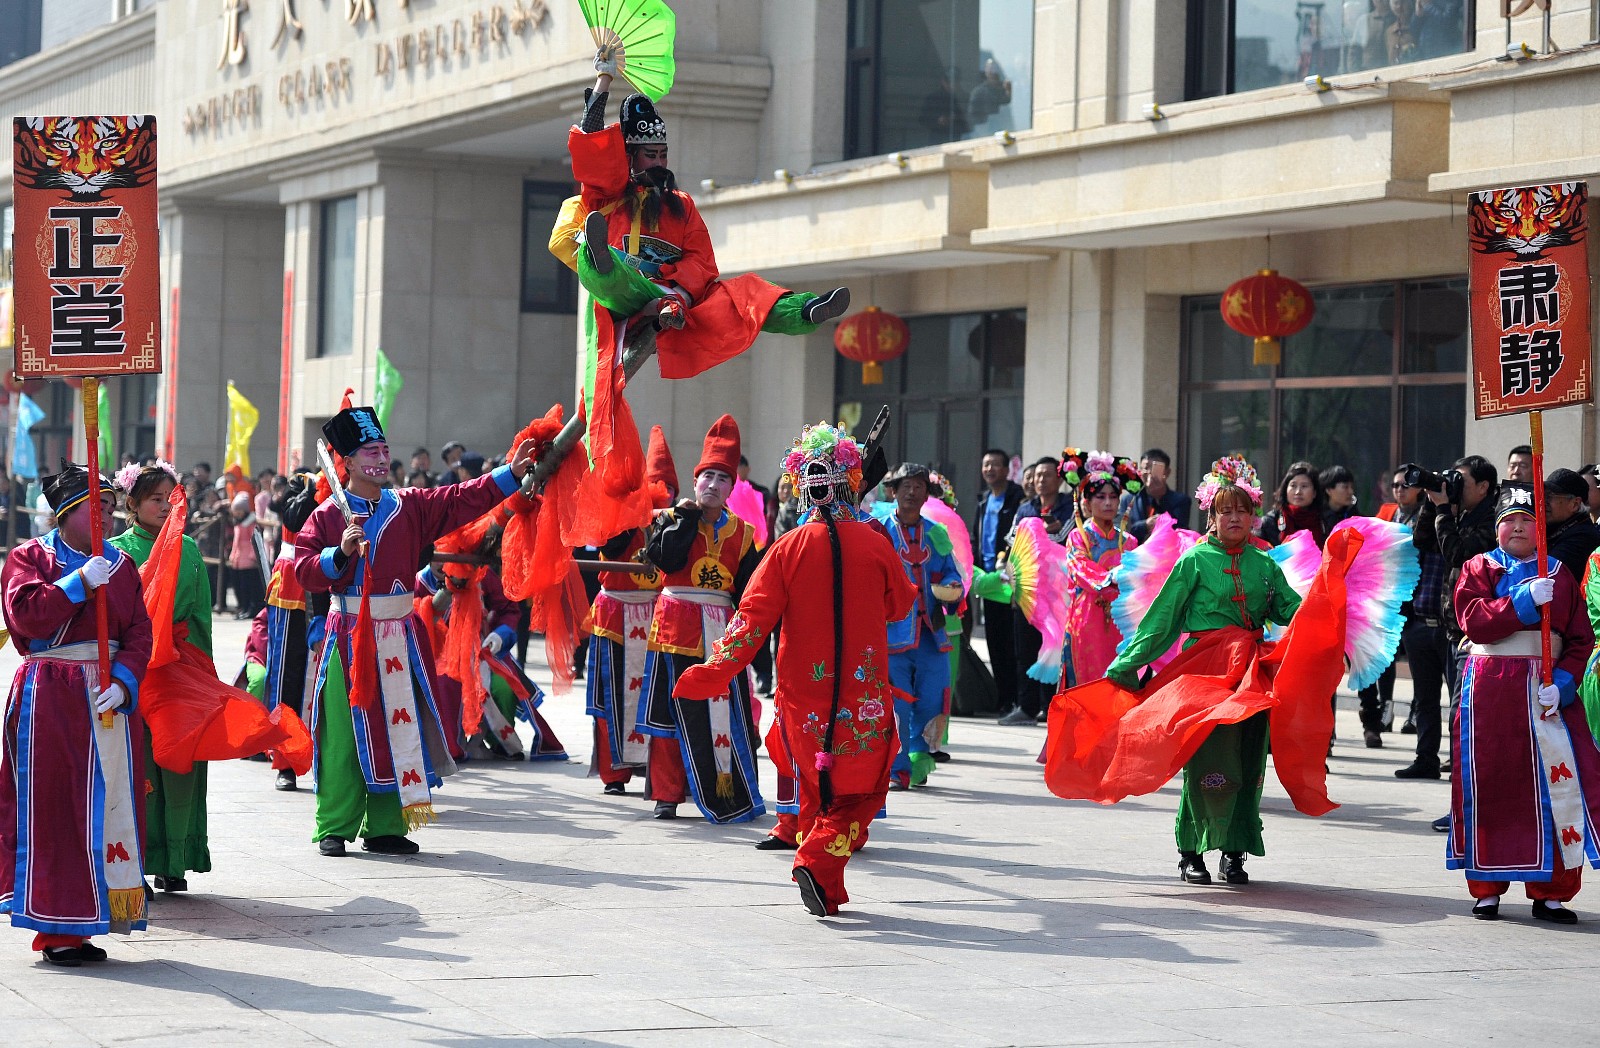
661,191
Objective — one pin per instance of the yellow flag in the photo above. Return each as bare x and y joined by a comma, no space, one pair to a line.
242,419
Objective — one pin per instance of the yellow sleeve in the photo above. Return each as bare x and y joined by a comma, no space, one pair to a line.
564,236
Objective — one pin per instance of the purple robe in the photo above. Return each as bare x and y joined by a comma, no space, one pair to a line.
55,851
1507,821
400,526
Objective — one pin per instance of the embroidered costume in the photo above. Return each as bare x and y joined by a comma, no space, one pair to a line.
379,752
704,748
835,583
1094,550
1525,798
71,782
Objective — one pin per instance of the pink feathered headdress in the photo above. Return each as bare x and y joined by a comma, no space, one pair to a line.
1232,471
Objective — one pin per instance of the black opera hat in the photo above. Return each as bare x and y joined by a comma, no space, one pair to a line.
641,124
351,428
65,490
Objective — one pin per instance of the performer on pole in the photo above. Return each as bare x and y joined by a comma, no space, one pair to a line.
619,637
1525,799
71,785
175,839
836,584
645,249
701,748
380,747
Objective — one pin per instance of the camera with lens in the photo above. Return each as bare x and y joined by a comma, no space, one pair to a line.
1450,482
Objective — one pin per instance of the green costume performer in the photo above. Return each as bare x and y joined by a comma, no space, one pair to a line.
1589,687
175,806
1212,586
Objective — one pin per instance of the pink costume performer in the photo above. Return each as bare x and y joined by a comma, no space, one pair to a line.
1094,550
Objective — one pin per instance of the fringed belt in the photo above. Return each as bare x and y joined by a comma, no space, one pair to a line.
82,651
388,606
695,595
1521,645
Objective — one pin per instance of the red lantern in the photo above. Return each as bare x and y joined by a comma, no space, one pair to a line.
871,336
1267,307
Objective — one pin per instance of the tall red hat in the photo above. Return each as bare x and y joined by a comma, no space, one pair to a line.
721,450
658,464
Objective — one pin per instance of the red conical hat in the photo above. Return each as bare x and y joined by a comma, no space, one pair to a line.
721,450
658,464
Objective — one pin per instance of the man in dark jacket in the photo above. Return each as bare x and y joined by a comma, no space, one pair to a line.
991,523
1459,526
1140,509
1572,535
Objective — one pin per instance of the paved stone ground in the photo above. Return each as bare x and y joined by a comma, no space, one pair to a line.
985,912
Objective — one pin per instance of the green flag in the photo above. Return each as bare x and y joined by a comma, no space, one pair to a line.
388,387
108,462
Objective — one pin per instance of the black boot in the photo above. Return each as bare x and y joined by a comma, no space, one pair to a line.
1232,868
286,781
665,810
826,307
596,235
1192,868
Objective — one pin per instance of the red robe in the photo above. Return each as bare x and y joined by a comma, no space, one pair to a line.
724,315
52,804
792,583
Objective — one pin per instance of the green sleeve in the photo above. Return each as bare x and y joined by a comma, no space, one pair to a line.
1285,601
192,604
1161,625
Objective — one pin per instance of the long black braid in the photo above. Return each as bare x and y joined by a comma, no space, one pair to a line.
824,777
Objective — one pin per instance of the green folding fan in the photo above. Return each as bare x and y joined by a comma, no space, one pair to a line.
640,33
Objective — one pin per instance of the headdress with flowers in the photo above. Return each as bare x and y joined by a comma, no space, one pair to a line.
1232,471
1087,470
128,475
945,492
823,466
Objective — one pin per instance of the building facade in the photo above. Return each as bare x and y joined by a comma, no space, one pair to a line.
1053,193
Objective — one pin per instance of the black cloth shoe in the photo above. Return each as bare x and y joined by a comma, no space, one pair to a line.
1016,717
63,956
258,757
1553,912
940,757
1373,740
149,892
811,893
1416,771
91,952
825,307
616,789
1192,868
286,781
776,844
1232,868
597,236
389,844
1441,824
1446,767
331,846
1408,728
1485,910
665,810
171,884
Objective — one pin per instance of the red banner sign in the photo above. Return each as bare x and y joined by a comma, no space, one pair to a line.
1530,298
87,260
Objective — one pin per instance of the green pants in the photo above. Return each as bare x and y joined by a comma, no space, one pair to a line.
345,808
625,291
1220,809
175,841
504,698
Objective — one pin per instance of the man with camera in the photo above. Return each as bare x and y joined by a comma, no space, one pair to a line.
1457,523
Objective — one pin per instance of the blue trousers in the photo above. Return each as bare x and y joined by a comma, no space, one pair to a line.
922,671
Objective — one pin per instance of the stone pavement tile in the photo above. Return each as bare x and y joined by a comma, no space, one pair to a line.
241,1027
46,1033
844,1018
1464,1021
1273,1026
1515,984
554,1015
14,1007
692,1037
129,983
437,1025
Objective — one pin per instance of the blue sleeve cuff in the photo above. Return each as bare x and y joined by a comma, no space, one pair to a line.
124,676
428,580
507,635
329,564
1522,601
505,480
73,587
318,630
1568,686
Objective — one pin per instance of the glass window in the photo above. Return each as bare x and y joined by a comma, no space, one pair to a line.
548,286
336,289
957,388
1379,378
922,72
137,415
1242,45
20,24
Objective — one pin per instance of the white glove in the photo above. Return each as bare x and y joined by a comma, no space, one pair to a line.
605,60
111,698
96,572
1549,697
1541,589
493,643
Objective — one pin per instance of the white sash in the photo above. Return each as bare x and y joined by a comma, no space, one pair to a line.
494,722
1560,775
402,719
635,652
123,863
